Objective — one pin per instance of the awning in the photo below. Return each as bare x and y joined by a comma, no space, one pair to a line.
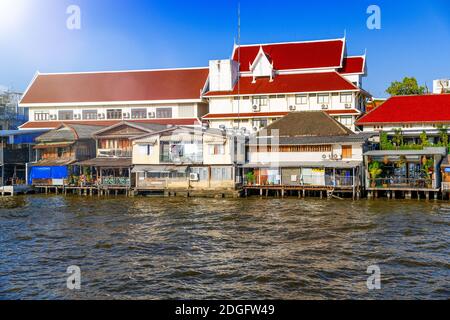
107,162
156,168
53,145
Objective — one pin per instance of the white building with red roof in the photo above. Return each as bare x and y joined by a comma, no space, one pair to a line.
411,114
264,82
165,96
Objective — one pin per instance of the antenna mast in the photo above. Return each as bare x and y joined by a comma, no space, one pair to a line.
239,63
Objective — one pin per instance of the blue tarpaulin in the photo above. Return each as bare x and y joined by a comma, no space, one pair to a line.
60,172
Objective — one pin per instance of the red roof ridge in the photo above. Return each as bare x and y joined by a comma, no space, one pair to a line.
289,42
118,71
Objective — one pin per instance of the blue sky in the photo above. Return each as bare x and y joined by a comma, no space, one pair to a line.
130,34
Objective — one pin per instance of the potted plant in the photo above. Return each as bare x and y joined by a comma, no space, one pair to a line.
374,171
250,177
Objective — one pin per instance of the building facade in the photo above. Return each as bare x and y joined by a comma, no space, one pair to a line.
412,115
306,150
264,82
182,159
168,96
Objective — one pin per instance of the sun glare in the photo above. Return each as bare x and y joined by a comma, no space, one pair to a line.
12,14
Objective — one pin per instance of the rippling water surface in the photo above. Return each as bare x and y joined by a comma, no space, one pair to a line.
177,248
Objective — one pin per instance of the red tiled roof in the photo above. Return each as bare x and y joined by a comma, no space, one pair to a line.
268,114
149,85
411,109
352,65
295,55
107,123
292,83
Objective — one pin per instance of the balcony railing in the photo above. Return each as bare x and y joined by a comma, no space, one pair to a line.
116,181
114,153
446,186
184,159
308,180
400,182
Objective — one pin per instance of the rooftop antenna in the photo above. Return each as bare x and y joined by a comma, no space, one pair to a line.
239,63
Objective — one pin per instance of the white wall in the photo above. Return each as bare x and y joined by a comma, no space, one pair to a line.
223,74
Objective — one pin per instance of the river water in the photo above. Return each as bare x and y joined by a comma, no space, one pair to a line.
178,248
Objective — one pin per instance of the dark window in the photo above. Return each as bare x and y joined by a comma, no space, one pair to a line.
65,115
164,113
114,114
138,113
89,114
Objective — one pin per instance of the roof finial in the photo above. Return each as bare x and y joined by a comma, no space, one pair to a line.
345,34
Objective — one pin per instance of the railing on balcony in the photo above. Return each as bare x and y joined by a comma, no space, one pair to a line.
114,153
116,181
445,186
307,180
400,182
164,158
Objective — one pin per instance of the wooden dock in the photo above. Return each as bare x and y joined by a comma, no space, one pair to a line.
302,190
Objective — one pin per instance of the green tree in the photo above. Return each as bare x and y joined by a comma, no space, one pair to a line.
385,143
443,135
424,139
397,139
408,86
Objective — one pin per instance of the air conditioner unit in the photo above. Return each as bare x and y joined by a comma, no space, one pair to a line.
101,116
151,114
194,177
53,117
77,116
255,128
292,108
256,108
348,106
324,106
126,115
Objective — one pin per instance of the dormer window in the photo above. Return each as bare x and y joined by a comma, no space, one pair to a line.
262,66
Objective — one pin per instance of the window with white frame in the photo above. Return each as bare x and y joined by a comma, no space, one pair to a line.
114,114
139,113
41,116
216,149
65,115
346,97
323,98
346,120
221,173
164,113
145,149
89,114
301,99
259,100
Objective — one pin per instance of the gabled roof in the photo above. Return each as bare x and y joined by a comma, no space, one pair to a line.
307,124
292,83
433,108
295,55
353,65
68,132
143,127
121,86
